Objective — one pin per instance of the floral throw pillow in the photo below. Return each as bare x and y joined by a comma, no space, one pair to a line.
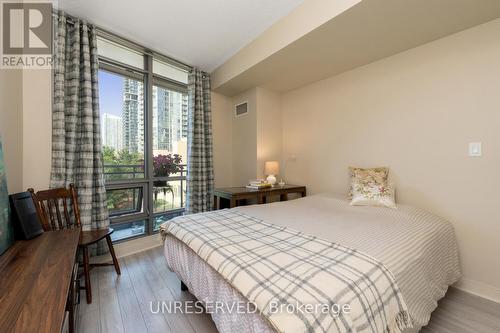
373,195
367,176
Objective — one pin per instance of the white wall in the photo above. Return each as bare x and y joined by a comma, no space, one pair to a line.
415,112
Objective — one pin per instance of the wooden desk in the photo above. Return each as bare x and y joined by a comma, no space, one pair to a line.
234,195
36,281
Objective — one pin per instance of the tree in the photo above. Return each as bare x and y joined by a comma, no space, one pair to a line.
122,165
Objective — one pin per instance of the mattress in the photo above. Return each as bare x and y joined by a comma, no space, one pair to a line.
419,248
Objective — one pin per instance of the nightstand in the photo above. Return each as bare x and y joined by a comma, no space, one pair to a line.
229,197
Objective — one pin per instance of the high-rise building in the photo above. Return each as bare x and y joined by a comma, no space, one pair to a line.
133,116
170,118
184,116
111,128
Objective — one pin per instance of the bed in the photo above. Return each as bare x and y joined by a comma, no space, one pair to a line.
417,247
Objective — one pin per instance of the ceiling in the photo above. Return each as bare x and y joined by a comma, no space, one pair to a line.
202,33
367,32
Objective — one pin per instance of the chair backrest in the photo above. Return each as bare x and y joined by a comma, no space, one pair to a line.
57,208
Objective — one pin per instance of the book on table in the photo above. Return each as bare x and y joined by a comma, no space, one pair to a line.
258,186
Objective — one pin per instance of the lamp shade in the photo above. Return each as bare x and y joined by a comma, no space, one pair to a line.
272,168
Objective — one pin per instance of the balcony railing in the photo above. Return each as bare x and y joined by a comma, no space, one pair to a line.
123,171
170,190
136,171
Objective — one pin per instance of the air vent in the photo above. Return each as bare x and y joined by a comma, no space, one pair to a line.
241,109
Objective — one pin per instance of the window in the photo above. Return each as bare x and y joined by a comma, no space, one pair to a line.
144,113
125,201
128,230
121,102
169,137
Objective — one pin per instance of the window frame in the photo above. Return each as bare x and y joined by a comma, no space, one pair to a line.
149,79
125,217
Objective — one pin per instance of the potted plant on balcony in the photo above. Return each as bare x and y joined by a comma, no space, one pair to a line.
164,166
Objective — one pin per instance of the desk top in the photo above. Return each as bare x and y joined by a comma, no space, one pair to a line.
35,277
243,189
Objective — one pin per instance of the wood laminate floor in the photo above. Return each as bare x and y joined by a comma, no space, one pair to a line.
122,303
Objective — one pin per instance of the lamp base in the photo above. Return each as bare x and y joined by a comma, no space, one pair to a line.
271,179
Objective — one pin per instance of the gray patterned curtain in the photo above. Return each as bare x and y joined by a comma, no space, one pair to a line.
200,173
76,136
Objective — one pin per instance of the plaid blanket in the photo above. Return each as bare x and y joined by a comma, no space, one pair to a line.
298,282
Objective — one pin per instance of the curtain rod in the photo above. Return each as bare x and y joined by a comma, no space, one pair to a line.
103,32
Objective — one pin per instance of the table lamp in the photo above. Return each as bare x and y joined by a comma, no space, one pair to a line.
271,169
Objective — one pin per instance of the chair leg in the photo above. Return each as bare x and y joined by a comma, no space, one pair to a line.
86,270
112,251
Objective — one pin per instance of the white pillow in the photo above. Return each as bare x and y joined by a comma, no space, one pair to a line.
373,195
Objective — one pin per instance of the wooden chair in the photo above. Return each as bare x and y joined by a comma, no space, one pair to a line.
58,209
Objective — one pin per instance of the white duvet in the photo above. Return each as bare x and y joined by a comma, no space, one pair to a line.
419,248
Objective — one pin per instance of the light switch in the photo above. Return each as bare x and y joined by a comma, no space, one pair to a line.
475,149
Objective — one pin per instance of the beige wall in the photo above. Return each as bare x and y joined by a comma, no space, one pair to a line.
269,135
256,136
222,117
25,126
37,128
11,127
415,112
244,139
304,18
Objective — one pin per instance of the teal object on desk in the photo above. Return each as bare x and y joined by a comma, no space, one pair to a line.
6,231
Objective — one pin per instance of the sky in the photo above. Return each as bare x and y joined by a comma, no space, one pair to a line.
110,93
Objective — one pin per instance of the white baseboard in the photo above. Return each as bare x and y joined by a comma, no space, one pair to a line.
479,289
131,247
